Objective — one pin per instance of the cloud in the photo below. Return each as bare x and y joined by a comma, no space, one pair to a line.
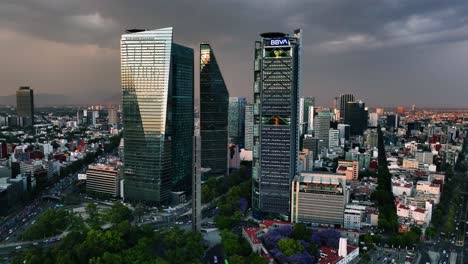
347,44
92,21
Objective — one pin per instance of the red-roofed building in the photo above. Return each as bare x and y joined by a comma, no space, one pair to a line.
250,233
329,255
273,223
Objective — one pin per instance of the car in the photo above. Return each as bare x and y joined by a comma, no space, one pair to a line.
18,247
35,244
444,251
215,259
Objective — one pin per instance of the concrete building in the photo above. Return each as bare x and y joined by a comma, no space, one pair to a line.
349,168
424,157
352,219
318,198
103,179
333,138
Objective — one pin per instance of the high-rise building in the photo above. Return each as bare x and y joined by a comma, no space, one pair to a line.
157,108
277,74
112,116
236,120
248,141
344,99
333,138
344,132
393,121
373,119
196,183
304,113
335,103
322,129
356,117
25,105
310,143
214,105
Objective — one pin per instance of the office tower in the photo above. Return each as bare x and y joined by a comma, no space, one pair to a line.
322,128
310,143
157,108
344,132
277,74
371,138
335,103
304,113
356,117
400,110
196,183
344,99
333,138
318,198
373,119
379,111
248,141
236,120
25,105
413,108
214,104
393,121
112,116
103,179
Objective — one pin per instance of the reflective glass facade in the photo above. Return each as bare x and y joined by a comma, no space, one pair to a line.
157,99
237,120
214,104
276,120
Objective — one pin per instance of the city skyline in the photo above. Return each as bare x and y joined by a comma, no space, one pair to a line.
388,50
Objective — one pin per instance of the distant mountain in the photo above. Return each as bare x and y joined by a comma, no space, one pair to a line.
59,99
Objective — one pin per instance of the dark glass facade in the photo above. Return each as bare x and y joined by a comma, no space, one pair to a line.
214,104
157,101
344,99
237,120
25,105
356,117
276,121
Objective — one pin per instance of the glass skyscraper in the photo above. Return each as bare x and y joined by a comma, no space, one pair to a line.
157,100
214,104
248,134
237,120
25,105
277,74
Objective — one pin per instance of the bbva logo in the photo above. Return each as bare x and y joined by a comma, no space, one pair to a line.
279,42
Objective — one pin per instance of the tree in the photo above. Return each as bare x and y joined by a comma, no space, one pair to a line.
431,232
290,247
236,259
256,259
300,232
119,213
230,242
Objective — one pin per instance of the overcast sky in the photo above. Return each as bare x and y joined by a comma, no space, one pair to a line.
386,52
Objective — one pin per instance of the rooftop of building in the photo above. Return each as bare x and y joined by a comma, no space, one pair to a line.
252,234
330,254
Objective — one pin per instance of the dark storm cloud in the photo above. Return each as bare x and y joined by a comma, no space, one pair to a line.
386,52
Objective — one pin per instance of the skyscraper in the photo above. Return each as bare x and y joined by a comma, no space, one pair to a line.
25,105
356,117
322,129
277,74
344,99
214,104
248,142
196,183
304,112
236,120
157,108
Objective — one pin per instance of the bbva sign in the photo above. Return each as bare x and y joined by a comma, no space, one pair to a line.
279,42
